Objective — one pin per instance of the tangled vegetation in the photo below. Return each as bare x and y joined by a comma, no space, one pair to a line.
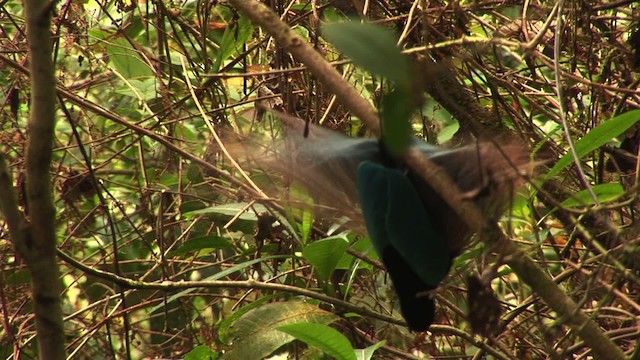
176,238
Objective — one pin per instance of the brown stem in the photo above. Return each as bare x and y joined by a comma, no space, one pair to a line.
37,243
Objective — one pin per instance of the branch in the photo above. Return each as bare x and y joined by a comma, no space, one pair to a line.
37,241
248,284
522,264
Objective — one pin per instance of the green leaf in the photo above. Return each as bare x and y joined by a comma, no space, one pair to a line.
230,210
194,174
191,205
447,132
301,7
324,337
306,224
396,129
201,353
469,255
362,245
604,193
598,136
371,46
325,254
257,335
367,353
244,216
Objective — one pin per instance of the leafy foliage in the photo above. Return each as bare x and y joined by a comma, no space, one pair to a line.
153,97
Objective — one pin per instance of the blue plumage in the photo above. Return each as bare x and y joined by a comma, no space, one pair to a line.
413,230
395,216
410,245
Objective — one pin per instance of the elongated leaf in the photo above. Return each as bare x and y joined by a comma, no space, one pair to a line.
371,46
362,245
230,210
604,192
144,87
598,136
396,130
19,277
210,242
324,337
244,219
303,213
367,353
306,224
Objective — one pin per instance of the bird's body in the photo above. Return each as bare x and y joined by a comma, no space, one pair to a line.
413,230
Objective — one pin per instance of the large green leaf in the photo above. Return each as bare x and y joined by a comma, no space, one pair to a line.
256,334
143,88
362,245
325,254
19,277
225,333
374,48
371,46
597,137
324,337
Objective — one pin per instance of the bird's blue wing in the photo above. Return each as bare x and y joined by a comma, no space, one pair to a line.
395,216
411,246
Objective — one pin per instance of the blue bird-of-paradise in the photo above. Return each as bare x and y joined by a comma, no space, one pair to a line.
413,230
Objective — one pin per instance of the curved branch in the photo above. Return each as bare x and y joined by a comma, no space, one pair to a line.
248,284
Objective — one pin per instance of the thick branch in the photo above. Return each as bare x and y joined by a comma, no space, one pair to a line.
38,239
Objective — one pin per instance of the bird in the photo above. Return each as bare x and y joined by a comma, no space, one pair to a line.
414,232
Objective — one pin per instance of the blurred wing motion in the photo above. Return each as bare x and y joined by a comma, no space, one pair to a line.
326,162
414,231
